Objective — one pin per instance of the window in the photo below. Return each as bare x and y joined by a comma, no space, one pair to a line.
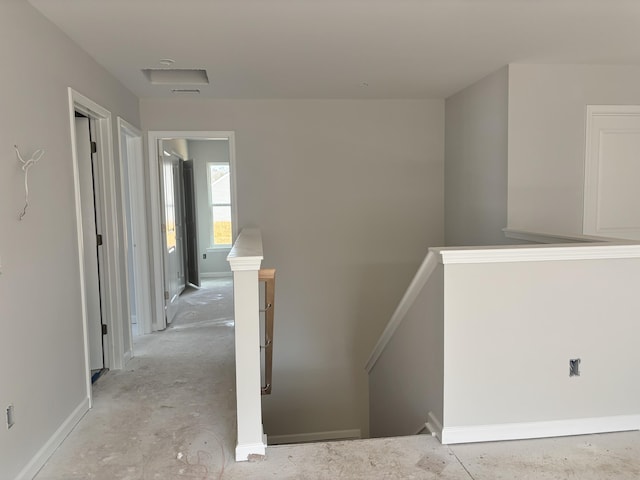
169,205
219,181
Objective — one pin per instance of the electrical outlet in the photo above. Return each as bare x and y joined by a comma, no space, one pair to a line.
10,417
204,256
574,367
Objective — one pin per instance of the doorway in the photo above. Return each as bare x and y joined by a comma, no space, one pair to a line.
132,179
102,187
92,228
193,206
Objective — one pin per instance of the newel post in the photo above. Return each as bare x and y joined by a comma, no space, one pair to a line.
245,259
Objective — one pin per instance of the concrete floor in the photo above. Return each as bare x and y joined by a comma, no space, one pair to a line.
171,415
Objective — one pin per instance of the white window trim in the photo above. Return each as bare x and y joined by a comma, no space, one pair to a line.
212,247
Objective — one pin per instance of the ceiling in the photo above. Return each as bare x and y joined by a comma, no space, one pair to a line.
343,48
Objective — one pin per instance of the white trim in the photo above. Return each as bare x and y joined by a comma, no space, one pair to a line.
544,237
434,425
592,167
420,279
112,303
246,253
216,274
538,253
137,198
40,458
354,434
128,333
159,321
244,451
218,249
557,428
157,256
211,247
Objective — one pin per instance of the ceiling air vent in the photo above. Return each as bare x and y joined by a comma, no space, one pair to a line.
185,91
171,76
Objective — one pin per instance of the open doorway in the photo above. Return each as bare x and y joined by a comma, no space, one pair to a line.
92,234
132,179
193,207
98,236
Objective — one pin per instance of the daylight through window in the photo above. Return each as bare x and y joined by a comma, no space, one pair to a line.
220,204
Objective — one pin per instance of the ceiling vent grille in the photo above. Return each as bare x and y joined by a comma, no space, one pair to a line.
171,76
185,91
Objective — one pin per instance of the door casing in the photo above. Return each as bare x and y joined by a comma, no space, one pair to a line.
132,179
113,303
159,321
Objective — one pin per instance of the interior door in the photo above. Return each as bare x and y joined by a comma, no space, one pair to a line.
86,166
174,277
191,227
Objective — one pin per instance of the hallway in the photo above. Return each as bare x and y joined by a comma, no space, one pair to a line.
171,412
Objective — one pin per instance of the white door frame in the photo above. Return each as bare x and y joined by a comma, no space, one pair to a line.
593,167
132,180
154,195
110,271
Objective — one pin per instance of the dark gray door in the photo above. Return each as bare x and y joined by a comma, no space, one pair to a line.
191,227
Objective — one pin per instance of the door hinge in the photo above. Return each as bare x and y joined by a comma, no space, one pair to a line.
99,239
104,329
94,147
166,295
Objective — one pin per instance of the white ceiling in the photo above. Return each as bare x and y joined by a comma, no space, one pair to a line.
329,48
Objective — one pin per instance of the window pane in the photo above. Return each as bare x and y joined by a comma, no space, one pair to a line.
221,220
220,184
169,207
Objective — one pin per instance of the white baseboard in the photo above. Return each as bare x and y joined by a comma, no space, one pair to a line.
216,274
41,457
246,449
354,434
520,431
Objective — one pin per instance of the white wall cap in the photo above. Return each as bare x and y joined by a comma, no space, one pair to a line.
246,253
546,237
538,253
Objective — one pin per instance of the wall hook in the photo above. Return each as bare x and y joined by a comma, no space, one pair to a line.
26,164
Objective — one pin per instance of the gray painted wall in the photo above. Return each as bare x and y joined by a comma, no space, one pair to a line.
547,111
349,196
201,152
476,162
41,346
407,381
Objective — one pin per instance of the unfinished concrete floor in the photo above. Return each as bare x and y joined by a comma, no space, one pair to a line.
171,415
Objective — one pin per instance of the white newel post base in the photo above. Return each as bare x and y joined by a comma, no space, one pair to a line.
245,259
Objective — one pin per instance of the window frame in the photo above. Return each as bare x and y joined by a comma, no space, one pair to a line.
212,247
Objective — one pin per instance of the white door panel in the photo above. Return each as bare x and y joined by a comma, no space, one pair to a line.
90,246
173,219
612,172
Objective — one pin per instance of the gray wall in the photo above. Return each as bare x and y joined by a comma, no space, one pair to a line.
349,196
476,162
407,381
547,109
201,152
41,345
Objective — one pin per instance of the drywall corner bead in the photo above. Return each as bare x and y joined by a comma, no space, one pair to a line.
26,164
